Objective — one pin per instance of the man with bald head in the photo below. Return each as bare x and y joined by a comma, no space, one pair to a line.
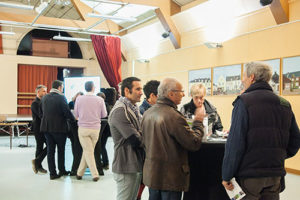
167,138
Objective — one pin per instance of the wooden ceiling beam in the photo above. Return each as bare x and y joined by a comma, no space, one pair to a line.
164,10
175,8
169,26
83,10
280,11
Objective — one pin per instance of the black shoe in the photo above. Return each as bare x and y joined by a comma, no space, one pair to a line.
78,177
101,172
65,173
52,177
95,179
106,167
72,173
42,170
34,166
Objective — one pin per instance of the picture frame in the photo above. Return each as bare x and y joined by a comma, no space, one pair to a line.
201,76
275,78
291,76
227,80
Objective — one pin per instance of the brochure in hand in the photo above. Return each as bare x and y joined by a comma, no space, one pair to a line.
237,193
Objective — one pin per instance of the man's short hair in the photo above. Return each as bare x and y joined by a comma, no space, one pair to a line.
56,84
89,86
260,70
196,89
151,87
102,95
39,87
127,83
167,85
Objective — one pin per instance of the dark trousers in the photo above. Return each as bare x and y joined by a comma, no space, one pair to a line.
75,145
41,151
53,140
104,137
98,149
265,188
164,195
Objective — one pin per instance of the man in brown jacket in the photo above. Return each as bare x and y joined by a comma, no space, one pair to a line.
167,138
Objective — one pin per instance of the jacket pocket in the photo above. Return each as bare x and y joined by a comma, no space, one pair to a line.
185,169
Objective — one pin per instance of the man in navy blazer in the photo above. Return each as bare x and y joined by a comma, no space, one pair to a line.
55,113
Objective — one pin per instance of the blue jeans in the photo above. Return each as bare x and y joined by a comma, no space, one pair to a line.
53,140
164,195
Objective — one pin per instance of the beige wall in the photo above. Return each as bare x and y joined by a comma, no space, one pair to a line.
277,42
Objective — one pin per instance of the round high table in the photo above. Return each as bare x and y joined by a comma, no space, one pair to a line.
206,172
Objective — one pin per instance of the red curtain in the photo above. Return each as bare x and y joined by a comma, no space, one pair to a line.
108,52
1,48
29,76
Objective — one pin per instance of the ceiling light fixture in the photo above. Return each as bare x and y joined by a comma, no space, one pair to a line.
41,8
108,2
56,27
212,45
7,33
59,37
19,6
112,17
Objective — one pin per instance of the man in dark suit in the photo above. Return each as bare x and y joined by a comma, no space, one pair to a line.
41,151
55,113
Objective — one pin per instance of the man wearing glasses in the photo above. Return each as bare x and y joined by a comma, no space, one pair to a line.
168,138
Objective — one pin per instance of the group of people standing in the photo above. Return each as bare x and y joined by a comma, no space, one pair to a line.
53,122
151,142
154,146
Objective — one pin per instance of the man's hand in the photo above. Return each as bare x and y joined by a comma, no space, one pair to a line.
200,113
228,185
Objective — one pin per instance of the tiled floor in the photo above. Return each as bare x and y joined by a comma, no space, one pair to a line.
18,182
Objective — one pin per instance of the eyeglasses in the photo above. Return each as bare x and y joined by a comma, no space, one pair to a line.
178,91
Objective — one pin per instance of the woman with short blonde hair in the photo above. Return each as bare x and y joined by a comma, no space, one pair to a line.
198,92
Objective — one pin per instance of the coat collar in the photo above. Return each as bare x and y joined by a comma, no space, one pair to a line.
164,100
145,104
261,85
55,91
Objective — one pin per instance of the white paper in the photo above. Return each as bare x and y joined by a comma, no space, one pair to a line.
237,193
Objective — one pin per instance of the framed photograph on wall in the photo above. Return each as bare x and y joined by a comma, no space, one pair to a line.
275,79
227,80
291,76
201,76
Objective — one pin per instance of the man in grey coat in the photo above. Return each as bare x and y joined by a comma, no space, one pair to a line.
124,122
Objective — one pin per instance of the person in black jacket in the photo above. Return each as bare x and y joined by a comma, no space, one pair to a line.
55,113
41,151
150,91
198,92
263,133
73,136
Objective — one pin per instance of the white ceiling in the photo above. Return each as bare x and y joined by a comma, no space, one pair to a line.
213,11
58,8
130,10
